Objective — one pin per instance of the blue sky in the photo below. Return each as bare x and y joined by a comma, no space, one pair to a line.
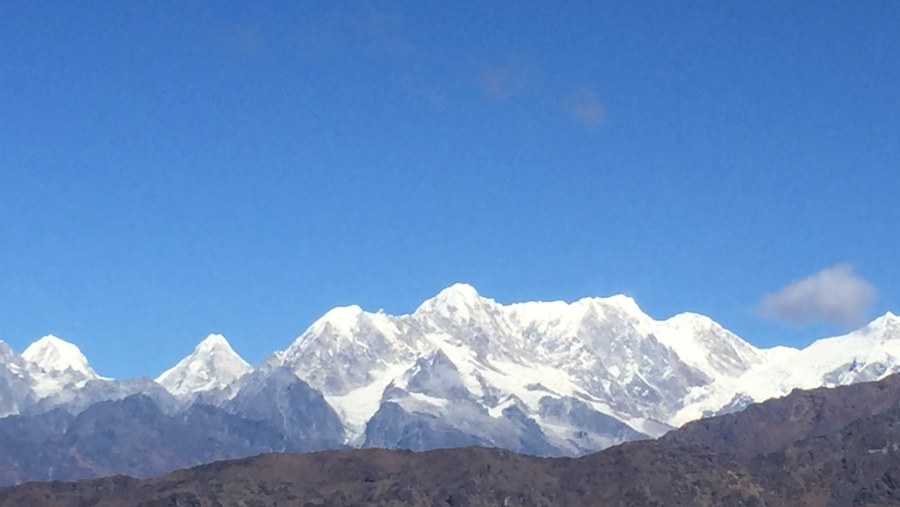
171,169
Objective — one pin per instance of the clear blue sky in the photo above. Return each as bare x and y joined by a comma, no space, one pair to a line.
170,169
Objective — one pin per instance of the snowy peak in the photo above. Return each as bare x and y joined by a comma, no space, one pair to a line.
213,344
887,323
342,319
707,346
622,303
212,365
457,297
54,355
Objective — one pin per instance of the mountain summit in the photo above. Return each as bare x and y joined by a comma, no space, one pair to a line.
213,364
55,366
54,354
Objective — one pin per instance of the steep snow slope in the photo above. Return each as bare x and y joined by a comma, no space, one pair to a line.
212,365
602,355
53,354
56,365
869,353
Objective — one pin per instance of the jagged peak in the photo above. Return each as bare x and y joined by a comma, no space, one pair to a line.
53,354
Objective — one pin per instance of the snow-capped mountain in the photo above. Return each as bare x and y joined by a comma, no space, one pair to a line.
56,365
462,369
600,358
212,365
53,354
869,353
602,355
53,373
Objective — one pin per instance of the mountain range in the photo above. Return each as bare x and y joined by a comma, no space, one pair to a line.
824,447
540,378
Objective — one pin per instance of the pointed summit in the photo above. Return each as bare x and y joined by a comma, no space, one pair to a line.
213,364
887,323
889,317
213,343
54,355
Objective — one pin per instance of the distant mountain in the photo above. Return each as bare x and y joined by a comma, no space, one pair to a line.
52,354
136,436
869,353
824,447
15,385
602,354
543,378
212,365
56,365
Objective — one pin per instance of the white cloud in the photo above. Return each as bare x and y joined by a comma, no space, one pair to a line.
835,295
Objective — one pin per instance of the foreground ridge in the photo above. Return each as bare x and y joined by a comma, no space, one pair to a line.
819,447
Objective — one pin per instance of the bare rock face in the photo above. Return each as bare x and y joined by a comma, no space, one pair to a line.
134,436
281,400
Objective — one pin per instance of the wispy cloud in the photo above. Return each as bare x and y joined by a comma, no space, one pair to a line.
504,81
584,107
835,295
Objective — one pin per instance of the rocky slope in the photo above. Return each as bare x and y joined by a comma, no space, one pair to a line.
826,447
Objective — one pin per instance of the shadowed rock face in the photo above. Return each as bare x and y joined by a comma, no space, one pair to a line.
392,427
823,447
136,437
290,406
